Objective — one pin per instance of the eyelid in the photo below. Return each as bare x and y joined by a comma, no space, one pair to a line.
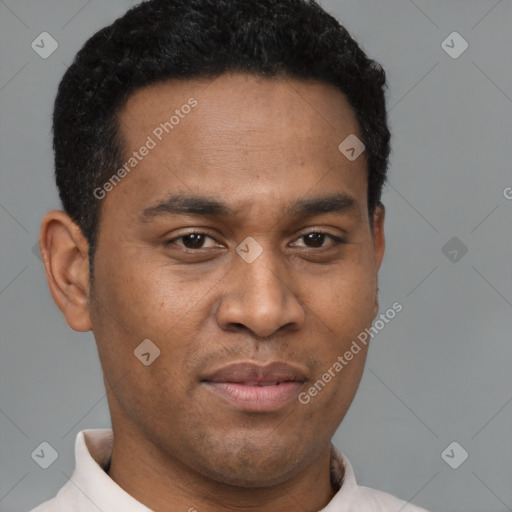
172,240
338,240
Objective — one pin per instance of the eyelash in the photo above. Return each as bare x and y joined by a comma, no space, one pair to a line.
336,239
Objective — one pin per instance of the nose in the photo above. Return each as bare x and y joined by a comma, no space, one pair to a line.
260,296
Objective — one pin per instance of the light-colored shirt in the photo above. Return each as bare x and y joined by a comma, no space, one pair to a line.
90,489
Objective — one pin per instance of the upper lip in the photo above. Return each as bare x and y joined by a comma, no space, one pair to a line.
251,372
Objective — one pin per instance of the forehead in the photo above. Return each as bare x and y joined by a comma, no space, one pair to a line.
246,139
246,98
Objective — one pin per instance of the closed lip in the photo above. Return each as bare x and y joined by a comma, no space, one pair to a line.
249,373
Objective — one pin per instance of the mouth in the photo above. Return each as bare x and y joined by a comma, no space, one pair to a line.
254,388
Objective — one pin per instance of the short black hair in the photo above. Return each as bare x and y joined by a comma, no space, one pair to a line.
185,39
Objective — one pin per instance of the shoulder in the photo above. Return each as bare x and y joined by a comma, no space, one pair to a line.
380,501
65,500
47,506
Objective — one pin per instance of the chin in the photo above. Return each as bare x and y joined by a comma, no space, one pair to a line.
252,465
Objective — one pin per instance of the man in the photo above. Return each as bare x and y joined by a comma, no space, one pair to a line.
220,164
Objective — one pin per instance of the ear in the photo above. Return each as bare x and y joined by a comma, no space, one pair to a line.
64,250
379,244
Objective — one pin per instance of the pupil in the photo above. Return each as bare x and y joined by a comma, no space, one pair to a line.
195,239
316,238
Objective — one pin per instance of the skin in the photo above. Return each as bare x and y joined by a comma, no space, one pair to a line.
258,145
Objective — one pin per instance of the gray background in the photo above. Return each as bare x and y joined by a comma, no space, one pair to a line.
439,372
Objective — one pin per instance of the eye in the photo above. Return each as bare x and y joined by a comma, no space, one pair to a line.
191,241
317,238
314,240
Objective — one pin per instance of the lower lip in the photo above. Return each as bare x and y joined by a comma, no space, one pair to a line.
256,398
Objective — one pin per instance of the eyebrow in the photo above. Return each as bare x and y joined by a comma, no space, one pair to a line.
177,204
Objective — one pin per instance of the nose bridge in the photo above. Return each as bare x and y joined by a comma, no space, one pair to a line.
266,280
260,295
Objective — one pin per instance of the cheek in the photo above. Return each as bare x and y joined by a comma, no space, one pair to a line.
344,300
143,294
148,300
343,310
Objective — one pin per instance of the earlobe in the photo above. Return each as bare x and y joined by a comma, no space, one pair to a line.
64,250
376,304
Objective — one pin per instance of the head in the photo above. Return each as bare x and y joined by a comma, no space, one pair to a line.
209,209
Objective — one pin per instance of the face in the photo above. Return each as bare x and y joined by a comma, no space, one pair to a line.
216,246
